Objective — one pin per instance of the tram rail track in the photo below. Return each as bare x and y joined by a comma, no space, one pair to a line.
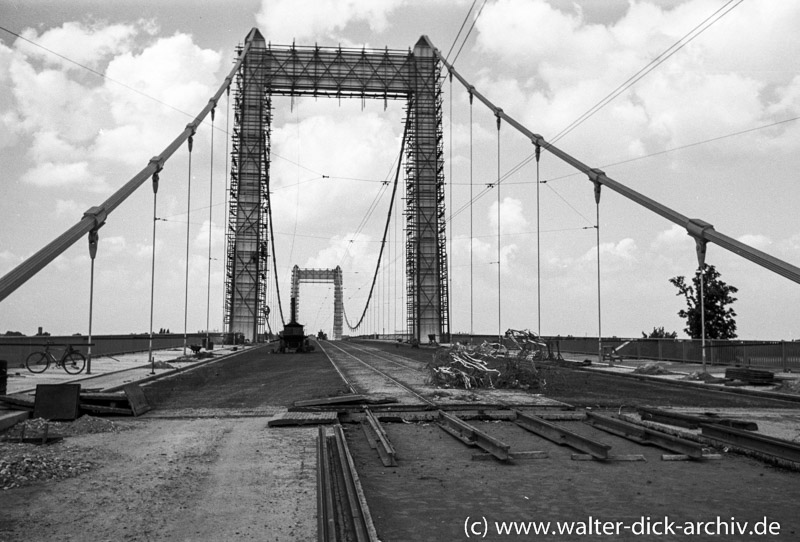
341,357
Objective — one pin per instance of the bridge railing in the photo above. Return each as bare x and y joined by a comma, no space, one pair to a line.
15,349
781,355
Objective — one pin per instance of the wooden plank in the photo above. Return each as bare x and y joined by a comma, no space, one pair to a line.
136,398
24,401
338,400
100,409
35,440
102,396
303,418
624,457
515,456
57,401
11,418
561,435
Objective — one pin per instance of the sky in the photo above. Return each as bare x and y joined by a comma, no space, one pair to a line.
711,132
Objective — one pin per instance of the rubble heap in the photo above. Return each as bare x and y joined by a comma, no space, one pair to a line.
23,463
509,364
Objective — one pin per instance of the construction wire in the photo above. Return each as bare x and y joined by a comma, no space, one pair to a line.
272,244
640,75
466,18
385,230
653,64
468,33
139,92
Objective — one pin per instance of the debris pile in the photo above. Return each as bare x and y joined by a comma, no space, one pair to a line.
82,426
22,463
651,368
790,385
490,365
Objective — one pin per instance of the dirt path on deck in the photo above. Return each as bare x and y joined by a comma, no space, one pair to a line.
203,479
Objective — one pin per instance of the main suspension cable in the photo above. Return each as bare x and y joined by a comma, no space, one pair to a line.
385,229
272,244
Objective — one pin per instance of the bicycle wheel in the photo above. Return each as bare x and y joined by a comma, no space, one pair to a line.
37,362
74,362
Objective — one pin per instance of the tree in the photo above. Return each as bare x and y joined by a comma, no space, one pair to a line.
720,323
660,333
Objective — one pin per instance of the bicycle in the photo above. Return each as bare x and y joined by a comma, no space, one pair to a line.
72,361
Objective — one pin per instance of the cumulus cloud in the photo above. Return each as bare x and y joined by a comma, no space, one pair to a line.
512,218
206,229
354,153
89,45
285,20
355,252
564,65
673,237
613,254
69,208
74,174
79,123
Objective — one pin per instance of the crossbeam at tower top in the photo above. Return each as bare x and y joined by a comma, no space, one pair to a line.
335,71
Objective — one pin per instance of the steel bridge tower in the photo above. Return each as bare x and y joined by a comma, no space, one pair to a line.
336,72
321,276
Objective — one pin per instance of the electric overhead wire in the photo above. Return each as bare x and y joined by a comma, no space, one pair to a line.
463,23
139,92
367,215
296,184
272,242
385,229
365,219
653,64
624,86
475,20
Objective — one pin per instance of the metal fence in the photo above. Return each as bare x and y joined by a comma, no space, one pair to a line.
781,355
16,349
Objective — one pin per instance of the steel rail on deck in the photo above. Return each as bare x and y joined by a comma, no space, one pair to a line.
394,380
562,436
783,449
643,435
95,217
326,515
381,440
473,436
700,230
357,502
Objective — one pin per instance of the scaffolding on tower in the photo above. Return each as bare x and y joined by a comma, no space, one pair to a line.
246,266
